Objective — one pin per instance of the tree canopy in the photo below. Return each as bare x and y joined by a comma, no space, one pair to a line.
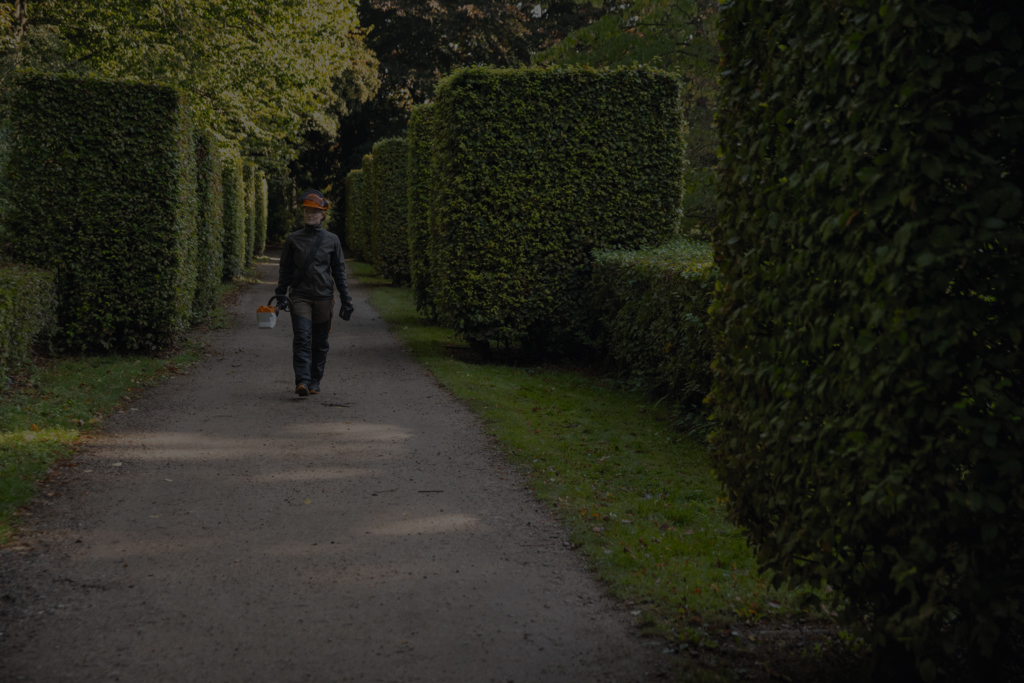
259,72
417,43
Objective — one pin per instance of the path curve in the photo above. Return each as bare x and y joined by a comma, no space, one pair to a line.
223,529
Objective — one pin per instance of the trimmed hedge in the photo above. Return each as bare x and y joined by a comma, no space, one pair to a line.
420,137
353,197
234,216
391,210
651,307
210,252
102,182
27,304
536,168
249,197
869,391
365,225
261,198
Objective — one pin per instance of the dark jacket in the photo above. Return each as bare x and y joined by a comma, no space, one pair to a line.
328,264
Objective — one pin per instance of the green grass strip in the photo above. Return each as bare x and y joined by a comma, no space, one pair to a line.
639,497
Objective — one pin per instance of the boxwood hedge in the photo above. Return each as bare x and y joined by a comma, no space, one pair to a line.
390,210
869,392
234,216
210,252
27,304
536,168
651,307
103,190
353,198
365,225
420,138
260,242
249,199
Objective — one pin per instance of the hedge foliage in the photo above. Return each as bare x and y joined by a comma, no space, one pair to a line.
210,238
353,211
390,236
234,216
651,307
535,169
869,393
249,198
261,213
364,227
27,304
119,158
420,197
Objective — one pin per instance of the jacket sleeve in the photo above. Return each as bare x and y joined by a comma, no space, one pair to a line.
286,269
338,271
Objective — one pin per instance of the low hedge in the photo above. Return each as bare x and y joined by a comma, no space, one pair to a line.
353,198
535,169
365,225
27,305
420,138
234,216
869,390
651,309
103,184
261,198
390,210
210,251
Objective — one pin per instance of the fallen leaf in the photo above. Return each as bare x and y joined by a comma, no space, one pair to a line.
34,427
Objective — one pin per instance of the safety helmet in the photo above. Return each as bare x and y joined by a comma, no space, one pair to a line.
313,199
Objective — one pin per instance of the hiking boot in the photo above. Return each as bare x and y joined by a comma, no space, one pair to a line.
314,388
301,390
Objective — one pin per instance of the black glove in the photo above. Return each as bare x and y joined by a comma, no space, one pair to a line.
346,310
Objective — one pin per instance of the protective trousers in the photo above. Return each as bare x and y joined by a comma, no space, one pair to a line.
311,329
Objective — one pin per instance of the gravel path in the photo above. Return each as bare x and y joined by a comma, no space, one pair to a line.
223,529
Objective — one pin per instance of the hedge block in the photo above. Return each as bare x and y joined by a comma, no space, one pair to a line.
535,169
234,216
103,186
27,304
651,308
210,236
869,390
420,183
390,210
353,199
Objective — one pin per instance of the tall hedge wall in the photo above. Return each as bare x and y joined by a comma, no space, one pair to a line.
27,304
260,201
536,168
365,226
353,197
651,308
249,198
103,190
390,210
869,389
420,138
210,221
234,216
